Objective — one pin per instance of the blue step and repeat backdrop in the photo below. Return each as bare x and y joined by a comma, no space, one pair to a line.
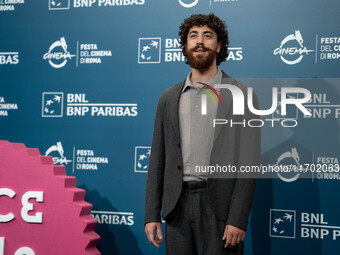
80,80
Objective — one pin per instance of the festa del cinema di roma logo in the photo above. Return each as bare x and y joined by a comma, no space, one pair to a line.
287,53
59,151
188,5
87,53
57,54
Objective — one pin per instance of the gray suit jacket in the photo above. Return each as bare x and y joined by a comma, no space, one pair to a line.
230,198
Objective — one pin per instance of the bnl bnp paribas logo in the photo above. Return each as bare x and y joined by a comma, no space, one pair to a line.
142,157
52,104
59,4
150,51
311,225
54,5
292,50
77,105
282,223
9,58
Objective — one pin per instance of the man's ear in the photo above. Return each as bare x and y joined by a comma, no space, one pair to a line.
219,47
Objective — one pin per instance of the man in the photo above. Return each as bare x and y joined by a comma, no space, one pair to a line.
204,213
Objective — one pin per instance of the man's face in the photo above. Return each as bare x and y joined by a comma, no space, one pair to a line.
202,47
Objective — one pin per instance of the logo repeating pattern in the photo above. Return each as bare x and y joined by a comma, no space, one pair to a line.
149,50
52,104
282,223
142,157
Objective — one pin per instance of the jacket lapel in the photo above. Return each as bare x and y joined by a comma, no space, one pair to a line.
174,109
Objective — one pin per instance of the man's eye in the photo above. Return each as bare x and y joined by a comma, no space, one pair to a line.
208,36
193,36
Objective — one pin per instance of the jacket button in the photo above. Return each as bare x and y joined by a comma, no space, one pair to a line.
178,145
179,167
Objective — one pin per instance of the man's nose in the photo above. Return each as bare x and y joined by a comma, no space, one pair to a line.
200,44
199,39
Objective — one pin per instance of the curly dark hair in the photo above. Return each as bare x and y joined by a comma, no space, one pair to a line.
214,23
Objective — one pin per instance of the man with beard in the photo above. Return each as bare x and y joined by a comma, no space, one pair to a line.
204,215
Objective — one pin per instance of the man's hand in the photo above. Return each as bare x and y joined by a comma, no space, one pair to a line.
233,235
150,230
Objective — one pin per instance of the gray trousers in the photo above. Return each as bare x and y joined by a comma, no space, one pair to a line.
192,228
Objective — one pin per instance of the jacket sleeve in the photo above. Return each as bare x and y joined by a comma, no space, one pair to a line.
154,183
248,151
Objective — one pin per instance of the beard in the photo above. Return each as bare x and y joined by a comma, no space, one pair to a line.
200,61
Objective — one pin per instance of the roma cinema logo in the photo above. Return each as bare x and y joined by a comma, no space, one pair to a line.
287,53
57,54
